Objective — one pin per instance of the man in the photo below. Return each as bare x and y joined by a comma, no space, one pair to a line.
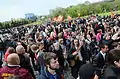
100,59
13,70
52,67
57,49
87,71
24,59
113,69
40,59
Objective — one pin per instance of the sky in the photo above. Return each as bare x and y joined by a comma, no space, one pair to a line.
18,8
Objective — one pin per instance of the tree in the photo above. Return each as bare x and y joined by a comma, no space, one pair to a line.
87,2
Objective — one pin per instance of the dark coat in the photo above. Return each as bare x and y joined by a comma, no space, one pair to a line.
25,63
1,63
1,44
112,73
99,63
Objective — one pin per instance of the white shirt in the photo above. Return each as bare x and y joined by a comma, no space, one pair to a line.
13,65
103,54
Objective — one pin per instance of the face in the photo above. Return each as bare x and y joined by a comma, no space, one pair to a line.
22,50
54,64
105,49
76,42
56,46
40,37
41,46
107,37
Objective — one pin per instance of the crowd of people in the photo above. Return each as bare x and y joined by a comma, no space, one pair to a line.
83,48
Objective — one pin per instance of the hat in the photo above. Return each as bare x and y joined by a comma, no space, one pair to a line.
86,71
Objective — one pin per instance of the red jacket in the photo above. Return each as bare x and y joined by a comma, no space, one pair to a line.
15,71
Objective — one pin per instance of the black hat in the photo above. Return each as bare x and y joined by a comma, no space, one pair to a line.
86,71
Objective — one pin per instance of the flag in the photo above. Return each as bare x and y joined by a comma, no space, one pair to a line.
112,14
55,18
69,18
60,18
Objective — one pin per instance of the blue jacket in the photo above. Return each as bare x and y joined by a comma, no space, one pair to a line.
46,75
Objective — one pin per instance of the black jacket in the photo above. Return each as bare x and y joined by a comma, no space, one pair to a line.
99,63
112,72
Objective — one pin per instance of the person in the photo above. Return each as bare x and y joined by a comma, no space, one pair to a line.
1,48
100,59
57,49
24,59
87,71
113,68
8,52
1,63
40,59
52,67
13,70
75,57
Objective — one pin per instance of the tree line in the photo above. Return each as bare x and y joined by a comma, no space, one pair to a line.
86,8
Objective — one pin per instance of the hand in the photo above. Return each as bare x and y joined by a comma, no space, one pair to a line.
96,77
81,44
117,64
75,53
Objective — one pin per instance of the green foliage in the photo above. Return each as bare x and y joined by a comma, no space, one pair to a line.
87,9
14,23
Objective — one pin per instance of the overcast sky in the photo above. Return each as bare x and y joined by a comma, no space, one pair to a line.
17,8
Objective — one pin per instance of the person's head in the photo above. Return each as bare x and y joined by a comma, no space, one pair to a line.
51,61
41,46
76,42
40,37
56,46
13,59
115,44
30,41
87,71
61,41
114,57
104,48
20,49
34,48
11,50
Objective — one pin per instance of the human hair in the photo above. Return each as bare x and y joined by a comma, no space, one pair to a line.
101,46
113,55
73,45
11,50
48,56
